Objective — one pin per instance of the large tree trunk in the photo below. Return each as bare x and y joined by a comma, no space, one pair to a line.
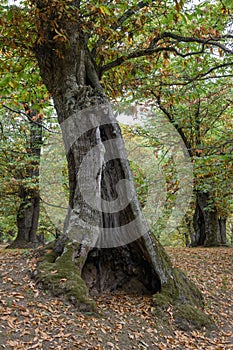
29,208
209,228
106,244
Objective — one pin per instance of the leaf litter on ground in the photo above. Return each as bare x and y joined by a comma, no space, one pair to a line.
32,318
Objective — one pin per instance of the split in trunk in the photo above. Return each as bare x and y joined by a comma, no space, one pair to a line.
106,244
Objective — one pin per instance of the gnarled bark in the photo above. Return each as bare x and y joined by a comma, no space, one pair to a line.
107,249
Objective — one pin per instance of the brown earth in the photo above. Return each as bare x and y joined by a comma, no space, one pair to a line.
33,319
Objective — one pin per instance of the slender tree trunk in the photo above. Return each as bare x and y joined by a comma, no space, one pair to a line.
107,248
222,221
209,229
188,219
231,233
28,216
29,208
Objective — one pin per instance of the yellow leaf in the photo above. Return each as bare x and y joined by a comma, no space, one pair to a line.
105,10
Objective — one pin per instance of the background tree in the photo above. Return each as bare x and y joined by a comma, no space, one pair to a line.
20,148
204,120
23,101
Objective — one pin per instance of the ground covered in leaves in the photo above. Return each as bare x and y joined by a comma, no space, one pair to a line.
31,318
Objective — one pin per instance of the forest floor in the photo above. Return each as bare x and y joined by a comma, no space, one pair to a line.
31,318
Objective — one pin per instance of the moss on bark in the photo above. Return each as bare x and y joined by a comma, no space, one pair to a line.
186,300
60,271
61,274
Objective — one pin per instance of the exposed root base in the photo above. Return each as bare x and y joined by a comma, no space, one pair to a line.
185,303
61,275
78,276
123,268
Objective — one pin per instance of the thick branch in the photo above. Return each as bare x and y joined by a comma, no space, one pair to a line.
156,47
140,53
188,39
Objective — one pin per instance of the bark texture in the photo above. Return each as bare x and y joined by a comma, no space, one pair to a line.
209,228
135,261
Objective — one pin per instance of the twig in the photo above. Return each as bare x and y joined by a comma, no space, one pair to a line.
30,119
